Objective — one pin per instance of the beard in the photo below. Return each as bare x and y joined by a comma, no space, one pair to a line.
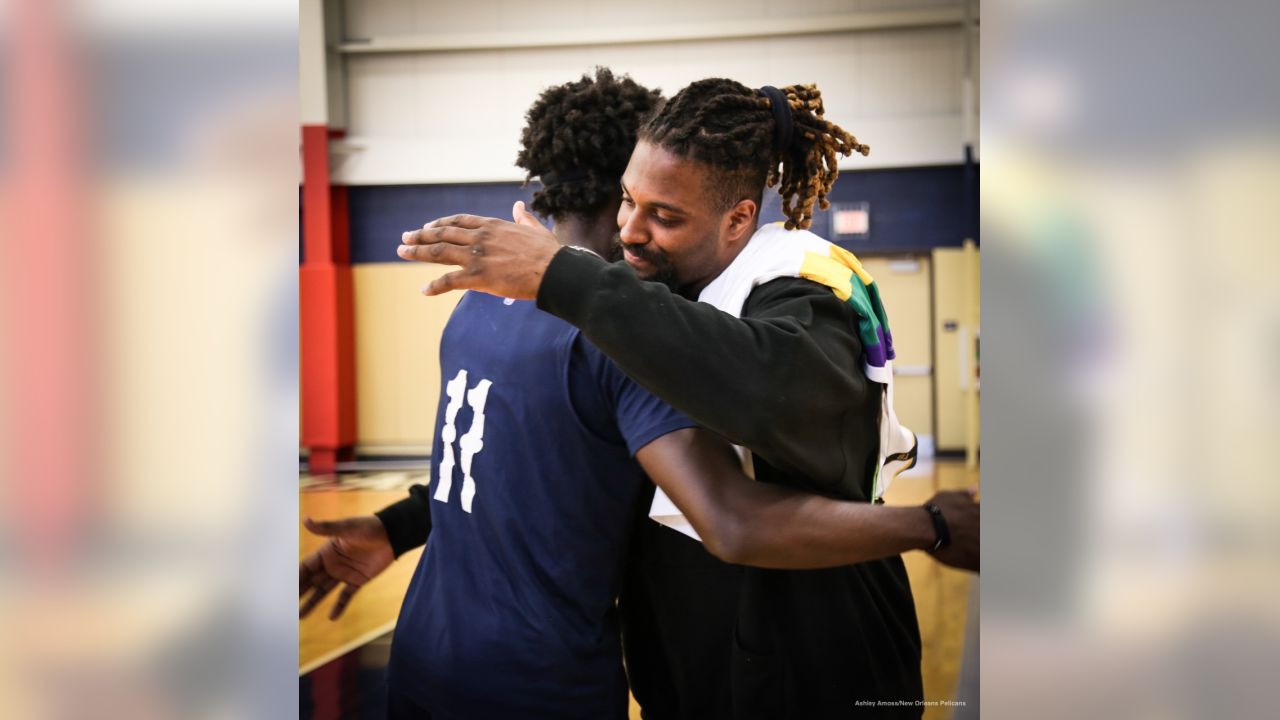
614,252
664,271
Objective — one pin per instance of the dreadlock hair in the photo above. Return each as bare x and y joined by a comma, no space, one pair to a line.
578,138
731,128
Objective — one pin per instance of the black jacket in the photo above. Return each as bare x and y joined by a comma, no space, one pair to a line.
704,639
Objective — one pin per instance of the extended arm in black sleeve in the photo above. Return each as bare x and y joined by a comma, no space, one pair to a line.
785,380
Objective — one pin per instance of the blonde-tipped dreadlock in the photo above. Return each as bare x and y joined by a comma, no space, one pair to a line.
730,127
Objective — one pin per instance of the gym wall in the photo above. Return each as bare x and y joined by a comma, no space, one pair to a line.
429,99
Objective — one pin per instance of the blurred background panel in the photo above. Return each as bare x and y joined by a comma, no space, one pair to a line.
148,386
1131,393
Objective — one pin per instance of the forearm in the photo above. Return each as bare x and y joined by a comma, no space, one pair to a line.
782,528
745,522
765,383
408,522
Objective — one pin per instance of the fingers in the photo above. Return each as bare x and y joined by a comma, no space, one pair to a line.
322,590
325,527
445,230
309,572
456,280
461,221
440,253
344,597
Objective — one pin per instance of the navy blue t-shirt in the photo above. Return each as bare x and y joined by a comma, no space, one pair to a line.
534,489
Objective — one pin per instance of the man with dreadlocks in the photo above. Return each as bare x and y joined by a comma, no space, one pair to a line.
510,612
787,357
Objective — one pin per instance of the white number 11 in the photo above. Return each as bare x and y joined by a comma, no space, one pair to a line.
470,444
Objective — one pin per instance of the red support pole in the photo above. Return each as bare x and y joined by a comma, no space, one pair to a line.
328,330
51,402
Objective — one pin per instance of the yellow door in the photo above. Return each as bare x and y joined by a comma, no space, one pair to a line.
955,296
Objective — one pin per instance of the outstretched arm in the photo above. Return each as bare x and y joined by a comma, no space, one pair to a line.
746,522
359,549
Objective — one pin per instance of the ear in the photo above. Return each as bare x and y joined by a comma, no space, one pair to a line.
740,221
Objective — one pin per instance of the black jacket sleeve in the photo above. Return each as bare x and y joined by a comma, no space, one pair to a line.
785,380
408,522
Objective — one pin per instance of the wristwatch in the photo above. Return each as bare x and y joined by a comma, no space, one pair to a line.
940,529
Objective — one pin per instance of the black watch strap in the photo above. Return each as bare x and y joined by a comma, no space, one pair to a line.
940,529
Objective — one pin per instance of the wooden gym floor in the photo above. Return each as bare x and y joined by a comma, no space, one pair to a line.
941,593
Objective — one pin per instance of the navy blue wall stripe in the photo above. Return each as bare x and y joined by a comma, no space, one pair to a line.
380,213
912,209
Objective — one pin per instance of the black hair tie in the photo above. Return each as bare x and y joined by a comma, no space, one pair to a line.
782,122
